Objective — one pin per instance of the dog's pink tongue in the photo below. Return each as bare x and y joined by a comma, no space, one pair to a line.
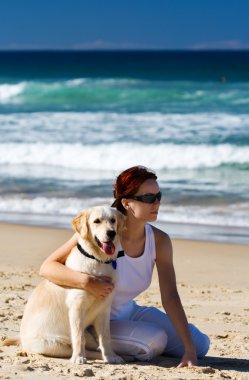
109,248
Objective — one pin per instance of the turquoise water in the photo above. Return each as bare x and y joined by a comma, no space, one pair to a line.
70,122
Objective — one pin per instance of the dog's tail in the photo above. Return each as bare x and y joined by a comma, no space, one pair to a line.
10,342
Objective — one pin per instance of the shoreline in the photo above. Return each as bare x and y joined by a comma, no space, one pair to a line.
182,231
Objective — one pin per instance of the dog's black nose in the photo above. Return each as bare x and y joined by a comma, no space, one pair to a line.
111,234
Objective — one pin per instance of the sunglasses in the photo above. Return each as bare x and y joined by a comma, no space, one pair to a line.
147,198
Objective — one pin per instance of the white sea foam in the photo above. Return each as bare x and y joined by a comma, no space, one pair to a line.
241,101
118,156
231,215
75,82
48,206
97,127
11,91
110,82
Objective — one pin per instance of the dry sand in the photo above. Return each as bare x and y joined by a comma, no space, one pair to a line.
212,281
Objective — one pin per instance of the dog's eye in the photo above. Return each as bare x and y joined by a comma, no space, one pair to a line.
113,220
97,221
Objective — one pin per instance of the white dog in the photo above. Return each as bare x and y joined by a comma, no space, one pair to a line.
55,318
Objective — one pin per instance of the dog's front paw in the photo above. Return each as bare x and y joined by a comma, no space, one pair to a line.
78,359
113,359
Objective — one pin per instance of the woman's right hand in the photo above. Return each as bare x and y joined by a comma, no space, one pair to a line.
100,286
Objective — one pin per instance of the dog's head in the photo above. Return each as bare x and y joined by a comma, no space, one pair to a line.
99,230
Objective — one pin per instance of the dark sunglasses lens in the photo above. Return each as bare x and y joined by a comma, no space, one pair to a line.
151,198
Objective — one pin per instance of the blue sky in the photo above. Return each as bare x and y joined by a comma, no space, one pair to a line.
124,24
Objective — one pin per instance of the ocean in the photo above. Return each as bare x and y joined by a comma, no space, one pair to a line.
71,121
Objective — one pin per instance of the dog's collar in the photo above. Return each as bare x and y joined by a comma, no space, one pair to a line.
113,262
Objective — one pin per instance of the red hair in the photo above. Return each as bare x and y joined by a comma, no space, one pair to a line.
128,183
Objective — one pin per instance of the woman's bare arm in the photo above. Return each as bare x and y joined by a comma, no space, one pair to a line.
170,297
54,270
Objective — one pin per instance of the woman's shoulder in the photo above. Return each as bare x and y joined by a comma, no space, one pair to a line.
160,235
162,240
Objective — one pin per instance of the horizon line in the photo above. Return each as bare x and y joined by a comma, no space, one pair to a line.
5,50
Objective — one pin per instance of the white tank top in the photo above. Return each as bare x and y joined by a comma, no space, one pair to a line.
134,276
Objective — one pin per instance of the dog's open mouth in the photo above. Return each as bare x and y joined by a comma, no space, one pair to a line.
108,247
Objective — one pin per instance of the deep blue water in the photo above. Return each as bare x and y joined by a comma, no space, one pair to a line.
151,65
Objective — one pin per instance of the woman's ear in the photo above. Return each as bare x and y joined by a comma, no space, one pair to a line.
79,223
125,203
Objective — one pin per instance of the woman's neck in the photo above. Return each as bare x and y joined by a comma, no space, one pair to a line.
133,237
135,229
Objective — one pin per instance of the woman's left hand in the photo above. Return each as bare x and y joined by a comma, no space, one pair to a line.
188,360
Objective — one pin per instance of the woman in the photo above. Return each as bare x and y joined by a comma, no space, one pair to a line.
139,331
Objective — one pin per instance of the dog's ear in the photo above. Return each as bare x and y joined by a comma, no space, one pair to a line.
121,221
79,223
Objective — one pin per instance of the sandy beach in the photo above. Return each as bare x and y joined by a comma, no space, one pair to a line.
212,280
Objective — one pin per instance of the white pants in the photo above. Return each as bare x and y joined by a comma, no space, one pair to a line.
149,332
